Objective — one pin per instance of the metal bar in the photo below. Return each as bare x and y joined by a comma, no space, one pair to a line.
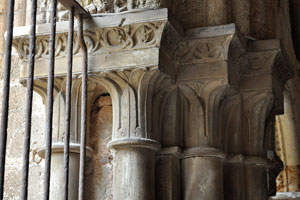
30,82
68,102
5,94
49,113
83,107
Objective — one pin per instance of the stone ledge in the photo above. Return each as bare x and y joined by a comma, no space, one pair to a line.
114,42
286,196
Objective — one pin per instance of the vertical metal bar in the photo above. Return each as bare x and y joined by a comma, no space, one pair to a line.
27,136
5,94
68,102
83,108
49,112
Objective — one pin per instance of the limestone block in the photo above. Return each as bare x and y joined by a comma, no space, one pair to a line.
234,183
57,176
286,196
167,177
256,182
202,178
134,174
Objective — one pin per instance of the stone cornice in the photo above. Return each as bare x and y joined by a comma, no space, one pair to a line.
110,41
99,40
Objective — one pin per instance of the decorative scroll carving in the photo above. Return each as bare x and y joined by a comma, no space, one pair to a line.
203,50
256,61
130,37
271,62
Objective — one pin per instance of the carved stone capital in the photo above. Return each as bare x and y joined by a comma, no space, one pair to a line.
123,57
59,106
209,52
203,64
132,91
265,67
129,40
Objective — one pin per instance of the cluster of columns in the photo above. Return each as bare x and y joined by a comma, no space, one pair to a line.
193,111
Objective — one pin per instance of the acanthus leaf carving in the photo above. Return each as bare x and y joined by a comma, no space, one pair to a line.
135,89
128,113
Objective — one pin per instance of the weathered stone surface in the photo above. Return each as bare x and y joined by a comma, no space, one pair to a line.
167,174
207,95
286,196
206,184
99,174
16,128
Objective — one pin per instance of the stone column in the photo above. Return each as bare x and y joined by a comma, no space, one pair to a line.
264,70
134,168
168,174
206,73
207,181
133,143
57,170
124,58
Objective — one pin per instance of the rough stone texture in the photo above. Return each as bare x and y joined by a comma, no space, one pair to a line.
167,173
210,93
99,175
287,125
16,126
206,184
287,196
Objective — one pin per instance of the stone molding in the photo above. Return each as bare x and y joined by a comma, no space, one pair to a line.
125,143
59,148
110,39
217,153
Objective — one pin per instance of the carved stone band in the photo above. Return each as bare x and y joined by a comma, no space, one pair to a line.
114,42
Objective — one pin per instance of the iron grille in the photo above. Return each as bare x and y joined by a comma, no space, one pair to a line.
75,10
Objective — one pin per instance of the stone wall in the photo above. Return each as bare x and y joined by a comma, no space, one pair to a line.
16,123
